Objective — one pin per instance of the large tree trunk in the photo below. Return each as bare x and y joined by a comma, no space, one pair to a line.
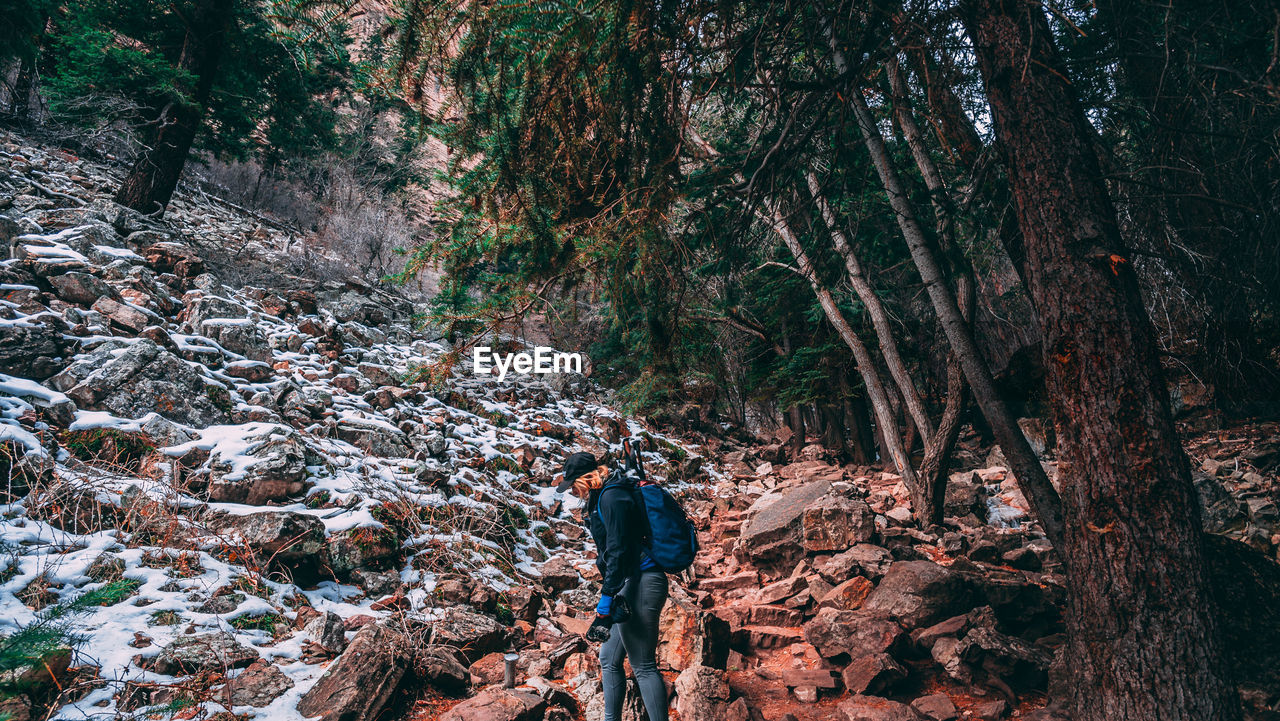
1143,638
154,175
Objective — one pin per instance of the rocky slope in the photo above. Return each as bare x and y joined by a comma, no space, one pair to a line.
298,528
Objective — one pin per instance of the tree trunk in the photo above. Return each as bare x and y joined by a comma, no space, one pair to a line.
151,181
862,357
1143,636
861,435
1026,468
936,464
20,102
875,309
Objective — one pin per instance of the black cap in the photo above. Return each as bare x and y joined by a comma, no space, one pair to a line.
575,466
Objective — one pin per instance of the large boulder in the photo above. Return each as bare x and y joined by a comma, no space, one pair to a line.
32,348
919,593
477,635
773,536
241,336
81,288
143,378
359,684
217,651
274,468
499,704
280,535
837,633
200,308
836,522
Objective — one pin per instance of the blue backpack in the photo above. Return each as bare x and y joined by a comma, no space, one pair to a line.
672,541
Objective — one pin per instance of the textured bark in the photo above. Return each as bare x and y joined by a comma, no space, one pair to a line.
154,175
1026,467
937,457
1143,639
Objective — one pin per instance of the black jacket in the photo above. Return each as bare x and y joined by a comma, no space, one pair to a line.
616,528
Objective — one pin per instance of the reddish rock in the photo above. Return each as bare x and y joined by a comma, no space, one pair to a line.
772,537
919,593
848,595
702,694
873,708
689,636
125,316
816,677
499,704
746,579
781,590
359,684
257,686
753,637
872,673
559,575
854,633
774,616
937,707
835,523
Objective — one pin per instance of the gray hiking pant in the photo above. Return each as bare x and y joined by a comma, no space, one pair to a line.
637,641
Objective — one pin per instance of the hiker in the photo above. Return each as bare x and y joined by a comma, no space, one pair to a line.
634,588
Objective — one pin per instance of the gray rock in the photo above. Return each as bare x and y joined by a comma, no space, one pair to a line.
772,537
239,336
32,349
215,651
374,439
207,307
1221,512
142,379
257,686
81,288
278,471
439,667
472,632
348,550
327,631
376,584
282,535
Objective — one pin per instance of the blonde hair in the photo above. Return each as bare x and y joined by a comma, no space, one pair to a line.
589,481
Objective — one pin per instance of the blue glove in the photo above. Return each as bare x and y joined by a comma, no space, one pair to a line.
605,606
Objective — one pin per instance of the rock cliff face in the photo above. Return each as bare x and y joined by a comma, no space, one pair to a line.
307,530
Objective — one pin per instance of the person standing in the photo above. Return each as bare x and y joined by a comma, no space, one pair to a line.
633,589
